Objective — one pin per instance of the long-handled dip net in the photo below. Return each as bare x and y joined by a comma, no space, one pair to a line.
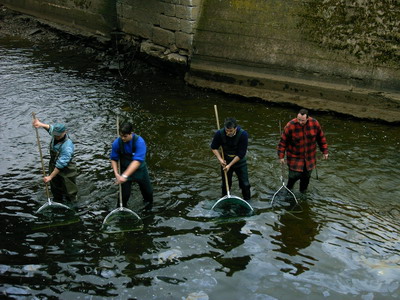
230,205
121,219
284,196
50,207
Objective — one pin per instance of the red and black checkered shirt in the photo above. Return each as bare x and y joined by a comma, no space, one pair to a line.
300,144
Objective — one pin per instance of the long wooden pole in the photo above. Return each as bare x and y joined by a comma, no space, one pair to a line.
41,156
222,153
119,169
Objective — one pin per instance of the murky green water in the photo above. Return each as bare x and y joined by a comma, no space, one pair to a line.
342,244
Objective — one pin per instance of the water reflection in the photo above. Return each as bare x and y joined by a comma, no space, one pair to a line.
225,241
297,231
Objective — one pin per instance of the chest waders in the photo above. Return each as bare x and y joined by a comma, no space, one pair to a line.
141,176
64,184
230,147
121,219
229,205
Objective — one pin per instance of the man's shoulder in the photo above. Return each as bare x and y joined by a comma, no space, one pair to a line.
138,141
136,137
313,122
292,123
242,131
116,142
67,144
67,141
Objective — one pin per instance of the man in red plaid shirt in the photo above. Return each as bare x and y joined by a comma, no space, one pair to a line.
299,141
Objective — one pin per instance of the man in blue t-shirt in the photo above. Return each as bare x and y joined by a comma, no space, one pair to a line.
234,141
130,150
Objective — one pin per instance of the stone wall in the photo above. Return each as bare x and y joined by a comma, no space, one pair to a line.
167,26
163,28
86,17
348,41
340,55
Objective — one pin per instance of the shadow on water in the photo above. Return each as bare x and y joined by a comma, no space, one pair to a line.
341,243
296,230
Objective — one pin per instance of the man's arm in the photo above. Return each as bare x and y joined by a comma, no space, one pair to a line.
215,145
219,157
321,140
121,178
51,176
281,148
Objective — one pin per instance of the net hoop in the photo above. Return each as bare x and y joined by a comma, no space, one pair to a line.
120,209
288,190
51,204
228,198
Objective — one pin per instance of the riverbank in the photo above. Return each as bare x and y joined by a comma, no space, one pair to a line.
250,82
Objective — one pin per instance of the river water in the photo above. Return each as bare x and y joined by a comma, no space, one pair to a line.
343,243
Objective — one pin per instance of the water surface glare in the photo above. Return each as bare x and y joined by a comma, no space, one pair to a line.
343,243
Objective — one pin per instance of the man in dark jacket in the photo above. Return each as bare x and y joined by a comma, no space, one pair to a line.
299,141
234,141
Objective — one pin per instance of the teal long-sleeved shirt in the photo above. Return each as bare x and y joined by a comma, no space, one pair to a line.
65,150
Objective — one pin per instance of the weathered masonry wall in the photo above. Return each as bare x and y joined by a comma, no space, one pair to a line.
87,17
167,26
164,28
339,55
344,39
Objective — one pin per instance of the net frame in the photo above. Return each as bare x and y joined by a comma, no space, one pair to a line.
284,187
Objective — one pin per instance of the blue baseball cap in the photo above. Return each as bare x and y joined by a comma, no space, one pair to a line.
58,129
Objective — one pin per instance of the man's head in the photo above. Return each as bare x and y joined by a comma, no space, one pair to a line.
125,132
230,126
59,131
302,116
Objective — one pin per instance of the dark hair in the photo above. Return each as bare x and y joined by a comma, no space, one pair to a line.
230,123
126,128
303,111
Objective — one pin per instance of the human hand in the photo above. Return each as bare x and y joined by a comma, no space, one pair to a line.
47,179
226,168
36,123
282,161
325,156
120,179
223,163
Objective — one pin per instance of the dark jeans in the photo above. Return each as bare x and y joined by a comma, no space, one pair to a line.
142,178
303,176
240,170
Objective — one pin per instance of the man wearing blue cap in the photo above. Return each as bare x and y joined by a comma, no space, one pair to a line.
62,169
